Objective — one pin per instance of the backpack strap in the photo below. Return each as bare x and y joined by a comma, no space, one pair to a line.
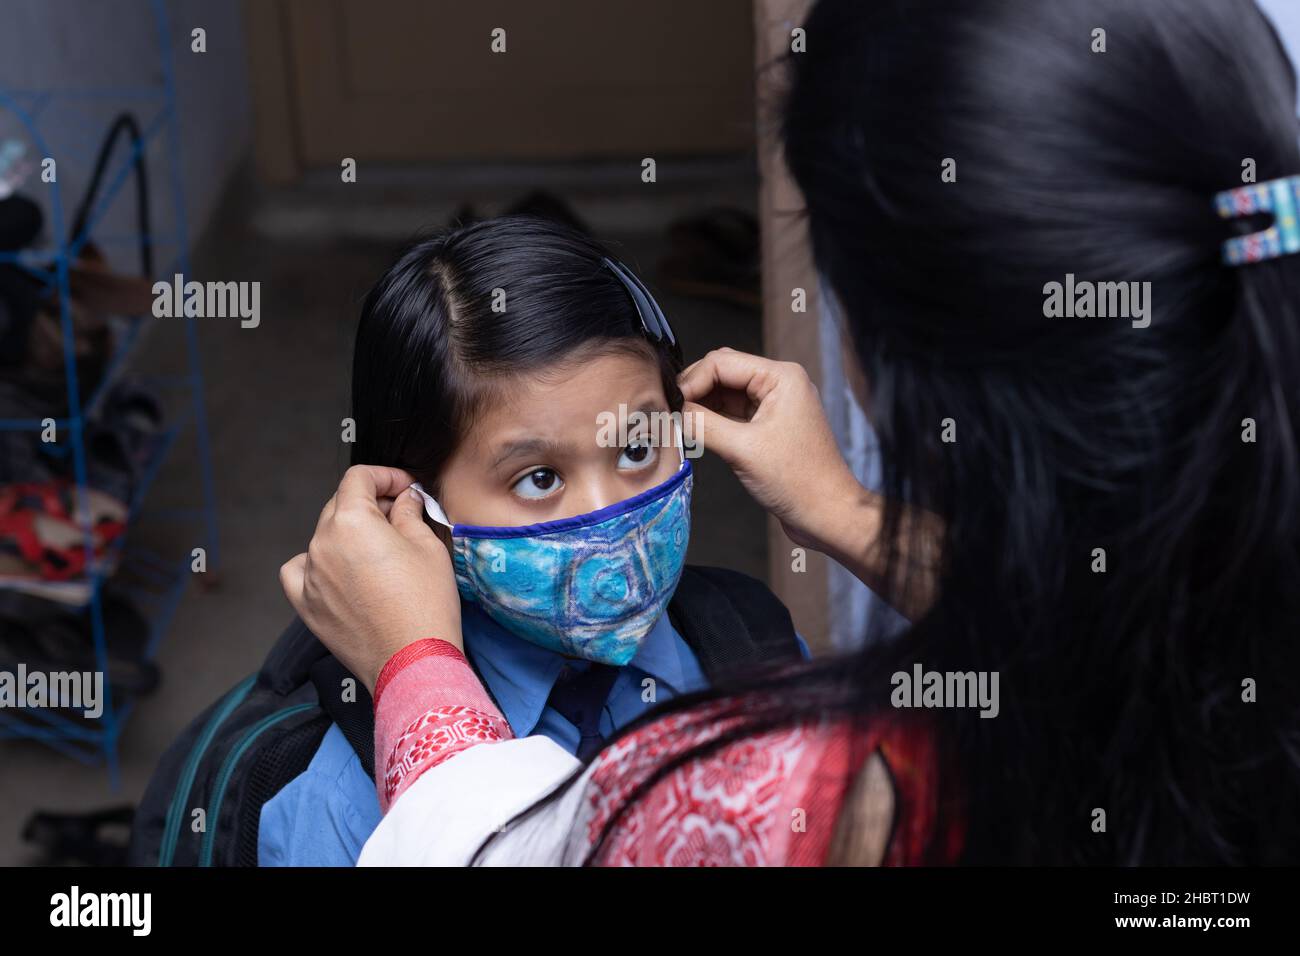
731,621
356,718
290,660
299,658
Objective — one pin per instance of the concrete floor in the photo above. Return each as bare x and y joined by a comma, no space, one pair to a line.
275,398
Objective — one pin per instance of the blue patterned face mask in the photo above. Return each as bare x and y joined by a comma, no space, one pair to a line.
590,586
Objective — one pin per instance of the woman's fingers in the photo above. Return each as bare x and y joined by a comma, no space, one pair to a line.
728,394
716,433
725,370
367,585
363,485
686,371
407,517
766,421
731,402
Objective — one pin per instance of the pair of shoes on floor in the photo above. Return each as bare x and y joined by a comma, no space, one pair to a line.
84,839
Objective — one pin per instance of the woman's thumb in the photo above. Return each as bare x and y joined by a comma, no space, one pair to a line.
407,516
706,429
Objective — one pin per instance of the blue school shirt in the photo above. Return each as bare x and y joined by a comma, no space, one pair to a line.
324,816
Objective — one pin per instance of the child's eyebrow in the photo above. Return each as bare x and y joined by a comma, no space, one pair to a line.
651,410
651,407
529,446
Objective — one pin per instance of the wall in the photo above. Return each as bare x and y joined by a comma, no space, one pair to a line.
63,45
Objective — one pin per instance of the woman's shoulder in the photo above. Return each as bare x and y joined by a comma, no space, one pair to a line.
707,787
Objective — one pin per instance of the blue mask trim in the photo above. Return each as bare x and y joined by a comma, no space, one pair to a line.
579,521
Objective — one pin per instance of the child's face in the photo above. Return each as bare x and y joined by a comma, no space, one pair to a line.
535,454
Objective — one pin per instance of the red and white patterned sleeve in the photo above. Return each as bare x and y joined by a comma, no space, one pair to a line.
429,706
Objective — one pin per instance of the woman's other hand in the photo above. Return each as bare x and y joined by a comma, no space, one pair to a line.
374,577
765,419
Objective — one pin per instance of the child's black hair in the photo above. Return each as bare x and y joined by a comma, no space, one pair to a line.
463,310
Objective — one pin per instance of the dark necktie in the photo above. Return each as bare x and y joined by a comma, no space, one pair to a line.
579,697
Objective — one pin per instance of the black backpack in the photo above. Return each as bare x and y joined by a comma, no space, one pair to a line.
263,733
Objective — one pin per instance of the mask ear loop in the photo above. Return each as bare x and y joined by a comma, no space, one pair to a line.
431,507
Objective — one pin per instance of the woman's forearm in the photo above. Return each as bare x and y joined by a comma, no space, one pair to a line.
429,706
851,531
765,419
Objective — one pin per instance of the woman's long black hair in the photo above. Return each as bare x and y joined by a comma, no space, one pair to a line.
463,310
1163,690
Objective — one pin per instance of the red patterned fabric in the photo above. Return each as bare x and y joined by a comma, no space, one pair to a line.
434,737
768,798
429,705
429,647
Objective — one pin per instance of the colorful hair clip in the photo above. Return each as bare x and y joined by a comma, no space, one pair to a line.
1281,197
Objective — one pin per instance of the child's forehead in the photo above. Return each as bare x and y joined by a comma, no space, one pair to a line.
570,400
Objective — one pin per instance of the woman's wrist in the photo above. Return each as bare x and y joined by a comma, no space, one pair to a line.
850,527
393,644
849,523
429,706
409,654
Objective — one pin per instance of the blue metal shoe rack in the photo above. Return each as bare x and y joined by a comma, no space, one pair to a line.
96,742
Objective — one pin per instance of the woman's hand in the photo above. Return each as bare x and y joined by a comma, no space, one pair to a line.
374,578
765,419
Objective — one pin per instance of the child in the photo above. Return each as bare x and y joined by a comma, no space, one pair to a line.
485,362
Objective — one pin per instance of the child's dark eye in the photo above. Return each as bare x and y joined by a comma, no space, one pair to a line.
538,484
635,457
